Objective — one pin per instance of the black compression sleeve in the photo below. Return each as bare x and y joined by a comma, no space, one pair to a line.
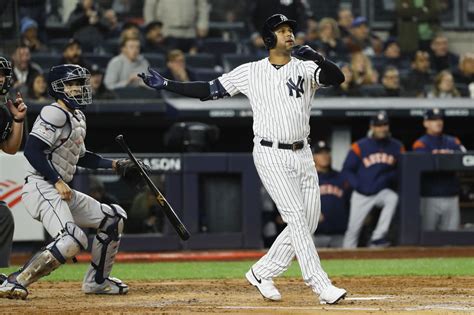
196,89
330,73
94,161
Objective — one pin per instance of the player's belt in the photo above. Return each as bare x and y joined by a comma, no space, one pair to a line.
295,146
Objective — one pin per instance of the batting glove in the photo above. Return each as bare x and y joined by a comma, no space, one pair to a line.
154,79
307,53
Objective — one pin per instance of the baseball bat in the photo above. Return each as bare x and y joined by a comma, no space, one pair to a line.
165,206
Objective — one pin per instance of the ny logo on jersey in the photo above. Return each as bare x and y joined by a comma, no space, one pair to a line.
298,87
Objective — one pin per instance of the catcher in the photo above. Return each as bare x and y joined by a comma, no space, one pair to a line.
55,147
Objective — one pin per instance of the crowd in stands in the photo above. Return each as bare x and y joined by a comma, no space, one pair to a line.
116,39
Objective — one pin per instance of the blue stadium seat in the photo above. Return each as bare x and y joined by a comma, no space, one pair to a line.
232,61
201,61
372,90
57,45
136,93
218,47
111,46
203,74
46,60
155,60
100,60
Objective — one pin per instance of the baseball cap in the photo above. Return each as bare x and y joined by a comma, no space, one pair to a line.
433,114
358,21
379,119
26,23
320,146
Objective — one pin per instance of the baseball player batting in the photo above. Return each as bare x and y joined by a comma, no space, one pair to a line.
54,148
280,89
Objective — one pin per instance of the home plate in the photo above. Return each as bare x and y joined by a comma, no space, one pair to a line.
368,298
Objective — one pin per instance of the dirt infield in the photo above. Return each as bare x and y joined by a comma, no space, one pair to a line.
374,295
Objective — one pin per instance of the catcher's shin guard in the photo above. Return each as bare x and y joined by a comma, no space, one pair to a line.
65,246
104,249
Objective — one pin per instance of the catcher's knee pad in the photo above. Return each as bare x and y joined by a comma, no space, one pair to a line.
106,243
65,246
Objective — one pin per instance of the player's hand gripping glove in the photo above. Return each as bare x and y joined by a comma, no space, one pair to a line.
307,53
154,79
130,173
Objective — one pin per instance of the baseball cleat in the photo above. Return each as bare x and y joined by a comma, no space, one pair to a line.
266,287
3,277
12,290
332,295
109,286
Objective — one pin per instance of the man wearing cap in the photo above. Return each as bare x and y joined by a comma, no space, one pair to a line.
72,53
439,202
335,191
29,35
371,167
361,38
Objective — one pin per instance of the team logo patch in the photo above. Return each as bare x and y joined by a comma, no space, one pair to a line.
297,88
46,130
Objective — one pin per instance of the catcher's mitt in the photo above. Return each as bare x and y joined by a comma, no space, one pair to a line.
130,173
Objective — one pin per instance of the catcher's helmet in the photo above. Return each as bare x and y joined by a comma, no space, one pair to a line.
268,35
60,75
6,69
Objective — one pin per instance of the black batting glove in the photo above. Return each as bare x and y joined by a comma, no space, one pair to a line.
308,53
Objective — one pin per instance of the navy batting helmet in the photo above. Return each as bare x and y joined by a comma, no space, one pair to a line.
268,35
76,97
6,69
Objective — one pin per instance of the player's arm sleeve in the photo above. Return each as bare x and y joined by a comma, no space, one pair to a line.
34,153
328,73
94,161
352,164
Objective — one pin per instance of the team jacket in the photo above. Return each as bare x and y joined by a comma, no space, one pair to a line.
440,183
335,193
371,165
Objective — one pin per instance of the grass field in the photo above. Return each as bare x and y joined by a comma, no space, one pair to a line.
236,270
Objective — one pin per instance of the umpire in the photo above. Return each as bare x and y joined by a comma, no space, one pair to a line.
12,115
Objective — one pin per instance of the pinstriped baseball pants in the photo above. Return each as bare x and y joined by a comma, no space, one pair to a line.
291,180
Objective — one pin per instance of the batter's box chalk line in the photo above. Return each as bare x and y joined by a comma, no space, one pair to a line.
447,307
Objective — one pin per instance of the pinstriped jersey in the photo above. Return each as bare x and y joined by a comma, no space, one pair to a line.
280,98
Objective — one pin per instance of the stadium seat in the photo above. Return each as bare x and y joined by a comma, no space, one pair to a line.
232,61
46,60
100,60
373,90
57,45
111,46
155,60
136,93
203,74
218,47
201,61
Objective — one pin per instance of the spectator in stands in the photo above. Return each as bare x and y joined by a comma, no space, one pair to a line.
260,10
439,202
335,192
29,35
311,30
346,88
35,10
444,86
329,41
392,55
416,23
122,70
23,69
440,57
99,91
465,72
154,40
130,30
145,215
419,76
98,192
361,40
183,21
344,21
371,168
362,70
114,26
37,88
176,67
72,53
86,23
391,83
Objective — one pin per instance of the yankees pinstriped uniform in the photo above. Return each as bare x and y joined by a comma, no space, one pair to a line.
280,96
